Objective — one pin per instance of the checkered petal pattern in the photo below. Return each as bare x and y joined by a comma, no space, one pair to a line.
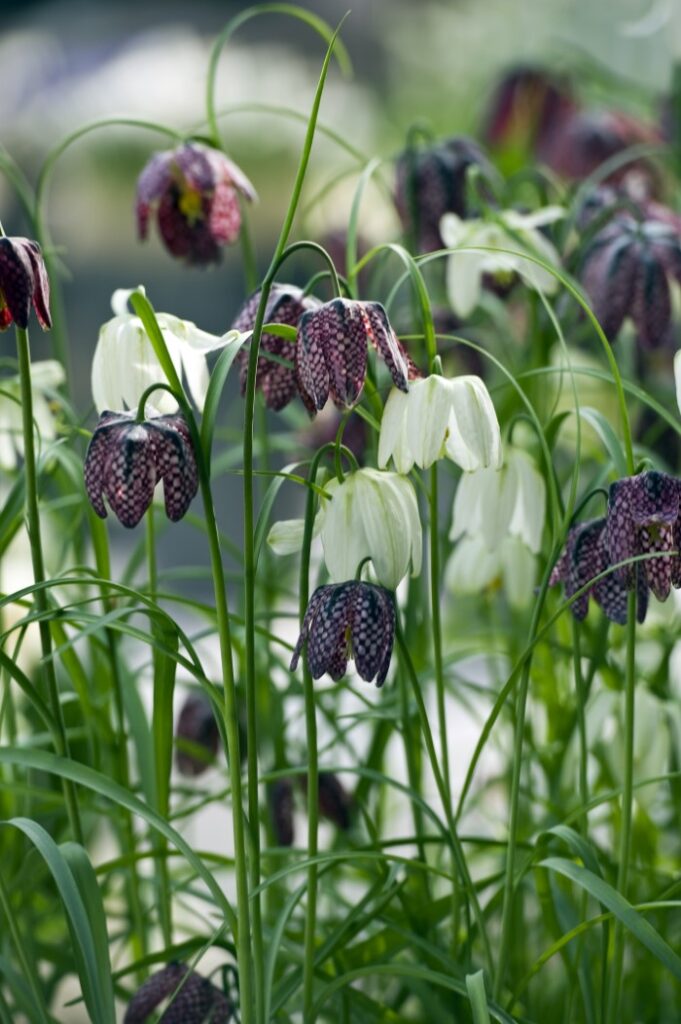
23,281
331,351
125,460
626,270
197,1002
344,620
285,305
195,192
643,514
197,726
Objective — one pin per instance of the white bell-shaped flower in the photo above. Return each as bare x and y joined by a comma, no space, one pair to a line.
372,515
510,230
125,364
46,376
440,417
498,521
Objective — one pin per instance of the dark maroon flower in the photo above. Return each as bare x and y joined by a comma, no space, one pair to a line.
195,192
331,351
588,138
348,620
527,106
625,272
643,519
198,1001
126,459
197,735
431,182
23,280
280,797
586,556
285,305
335,802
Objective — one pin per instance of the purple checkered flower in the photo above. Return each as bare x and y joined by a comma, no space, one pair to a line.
348,620
197,735
126,459
431,182
644,519
194,191
626,270
23,280
198,1001
331,352
285,305
586,556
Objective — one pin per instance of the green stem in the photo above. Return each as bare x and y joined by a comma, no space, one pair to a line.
615,980
25,962
40,595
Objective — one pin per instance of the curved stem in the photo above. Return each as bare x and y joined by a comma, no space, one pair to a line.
40,595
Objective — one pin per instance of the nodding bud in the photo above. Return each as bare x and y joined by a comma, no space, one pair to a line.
197,736
23,280
335,803
280,798
193,999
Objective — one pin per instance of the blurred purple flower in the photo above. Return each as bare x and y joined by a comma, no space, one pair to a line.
348,620
194,191
23,280
198,735
197,1002
643,519
586,556
431,182
526,108
331,351
125,460
280,798
625,271
587,138
285,305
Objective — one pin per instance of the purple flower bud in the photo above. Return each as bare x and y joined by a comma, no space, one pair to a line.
126,459
643,518
586,556
194,191
331,351
285,305
526,108
334,800
348,620
198,735
23,280
431,182
280,798
588,138
198,1001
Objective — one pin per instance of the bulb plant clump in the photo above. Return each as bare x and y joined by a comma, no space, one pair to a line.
475,505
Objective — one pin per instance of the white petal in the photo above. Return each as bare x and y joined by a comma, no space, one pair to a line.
471,568
453,230
428,411
47,373
529,512
387,508
474,439
393,440
519,569
188,334
464,271
119,299
196,374
343,537
538,219
286,536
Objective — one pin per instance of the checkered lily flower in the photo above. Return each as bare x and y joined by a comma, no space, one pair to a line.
586,556
126,459
194,191
23,280
626,271
331,352
198,1001
431,182
643,519
348,620
197,736
285,305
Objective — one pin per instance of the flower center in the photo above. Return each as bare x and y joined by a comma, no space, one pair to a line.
190,205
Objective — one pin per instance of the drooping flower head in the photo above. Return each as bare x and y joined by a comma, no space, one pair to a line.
23,280
439,417
125,364
509,230
194,191
197,736
280,800
331,351
586,556
643,519
625,271
46,376
335,803
198,1001
126,459
348,620
431,182
285,305
373,515
588,138
527,106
